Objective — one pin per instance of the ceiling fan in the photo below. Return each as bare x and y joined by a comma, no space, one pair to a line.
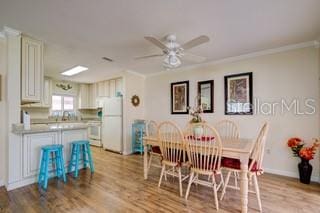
173,51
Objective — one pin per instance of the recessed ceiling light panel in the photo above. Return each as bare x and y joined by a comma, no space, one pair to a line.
74,70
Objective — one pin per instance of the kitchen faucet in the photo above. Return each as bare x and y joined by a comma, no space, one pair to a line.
64,118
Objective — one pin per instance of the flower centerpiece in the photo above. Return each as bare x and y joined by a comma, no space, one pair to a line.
305,153
195,112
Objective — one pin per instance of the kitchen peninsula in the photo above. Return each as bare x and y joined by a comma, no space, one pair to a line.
29,145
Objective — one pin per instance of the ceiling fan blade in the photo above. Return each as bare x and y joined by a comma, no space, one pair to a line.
156,42
193,58
195,42
148,56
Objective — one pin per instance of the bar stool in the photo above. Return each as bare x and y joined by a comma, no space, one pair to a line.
75,155
51,154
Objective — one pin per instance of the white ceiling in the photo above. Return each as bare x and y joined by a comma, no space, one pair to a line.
83,31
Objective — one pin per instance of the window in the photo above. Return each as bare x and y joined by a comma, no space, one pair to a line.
62,103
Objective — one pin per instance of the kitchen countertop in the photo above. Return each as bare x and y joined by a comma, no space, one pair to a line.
52,127
50,121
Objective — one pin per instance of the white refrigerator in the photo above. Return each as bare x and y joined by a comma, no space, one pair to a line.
112,124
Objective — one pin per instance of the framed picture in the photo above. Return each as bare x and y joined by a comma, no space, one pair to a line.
205,92
180,97
238,94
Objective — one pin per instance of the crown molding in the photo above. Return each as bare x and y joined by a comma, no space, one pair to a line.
11,31
314,44
136,73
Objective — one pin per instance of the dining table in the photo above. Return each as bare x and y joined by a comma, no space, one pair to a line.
240,148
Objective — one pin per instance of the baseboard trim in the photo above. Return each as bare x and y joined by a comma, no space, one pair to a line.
289,174
25,182
1,183
127,152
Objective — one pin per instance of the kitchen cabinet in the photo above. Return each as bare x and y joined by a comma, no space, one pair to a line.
31,70
83,96
112,88
92,95
46,98
32,144
119,86
47,93
101,89
87,96
107,88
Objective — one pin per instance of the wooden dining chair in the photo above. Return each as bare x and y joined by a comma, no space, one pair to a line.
228,130
204,153
172,146
152,131
254,167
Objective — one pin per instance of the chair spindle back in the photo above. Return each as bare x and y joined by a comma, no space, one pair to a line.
171,142
227,129
152,129
205,149
258,150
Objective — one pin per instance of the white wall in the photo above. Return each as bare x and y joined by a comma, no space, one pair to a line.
287,75
134,85
2,108
13,101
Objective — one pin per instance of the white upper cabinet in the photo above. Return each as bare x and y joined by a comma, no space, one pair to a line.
119,86
89,93
92,95
87,96
107,88
47,92
112,88
31,70
83,96
101,89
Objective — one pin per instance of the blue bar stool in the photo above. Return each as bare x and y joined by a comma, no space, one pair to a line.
76,148
51,154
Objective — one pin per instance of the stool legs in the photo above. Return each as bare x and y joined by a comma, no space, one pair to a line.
62,167
75,155
90,157
56,159
84,153
71,160
41,173
76,172
46,170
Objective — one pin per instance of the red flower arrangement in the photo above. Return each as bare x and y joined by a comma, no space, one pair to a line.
298,149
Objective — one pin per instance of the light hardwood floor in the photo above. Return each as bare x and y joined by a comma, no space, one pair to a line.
118,186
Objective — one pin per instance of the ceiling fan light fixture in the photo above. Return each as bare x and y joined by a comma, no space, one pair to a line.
171,61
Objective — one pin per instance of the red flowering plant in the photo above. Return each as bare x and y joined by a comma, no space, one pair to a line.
299,150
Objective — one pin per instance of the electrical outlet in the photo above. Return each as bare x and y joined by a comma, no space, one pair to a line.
268,151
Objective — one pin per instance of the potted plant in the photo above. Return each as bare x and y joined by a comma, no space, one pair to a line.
196,119
305,153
